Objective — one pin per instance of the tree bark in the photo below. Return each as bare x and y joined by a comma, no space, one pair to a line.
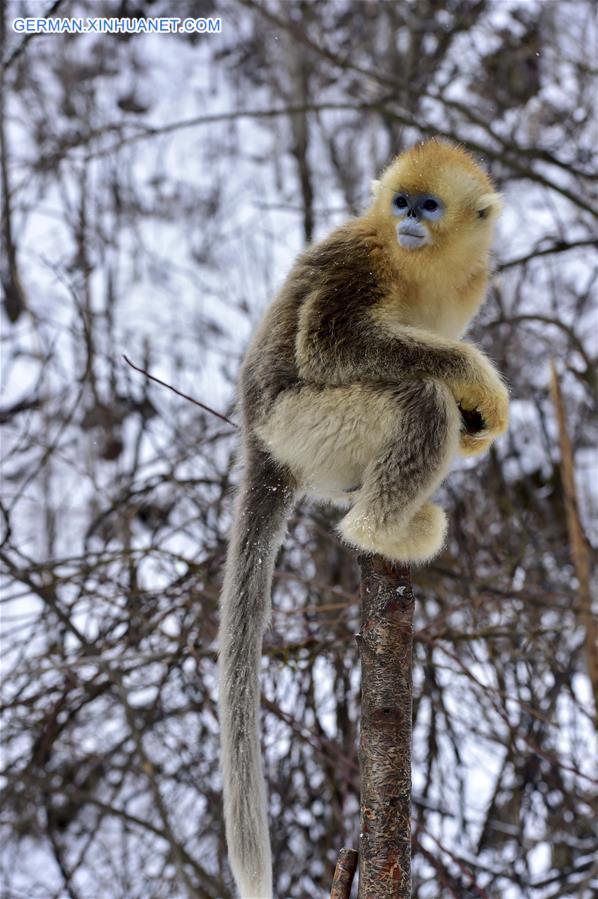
344,873
386,646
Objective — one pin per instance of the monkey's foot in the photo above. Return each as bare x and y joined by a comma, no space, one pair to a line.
475,444
416,540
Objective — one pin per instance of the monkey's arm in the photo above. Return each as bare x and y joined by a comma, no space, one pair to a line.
343,340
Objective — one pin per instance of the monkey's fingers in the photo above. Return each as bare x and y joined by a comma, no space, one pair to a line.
475,444
489,405
473,420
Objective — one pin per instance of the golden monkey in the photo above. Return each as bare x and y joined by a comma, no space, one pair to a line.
352,392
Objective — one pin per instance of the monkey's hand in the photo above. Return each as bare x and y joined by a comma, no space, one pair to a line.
474,439
474,444
482,397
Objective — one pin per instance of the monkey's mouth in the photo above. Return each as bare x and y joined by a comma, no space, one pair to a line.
411,236
412,239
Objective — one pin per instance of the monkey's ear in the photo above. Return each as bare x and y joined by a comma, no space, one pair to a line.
375,187
488,204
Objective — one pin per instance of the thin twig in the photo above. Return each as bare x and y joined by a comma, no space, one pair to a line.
180,393
560,246
21,47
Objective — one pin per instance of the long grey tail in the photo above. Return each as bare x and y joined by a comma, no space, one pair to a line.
263,505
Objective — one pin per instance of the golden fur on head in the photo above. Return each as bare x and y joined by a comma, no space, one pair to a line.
471,203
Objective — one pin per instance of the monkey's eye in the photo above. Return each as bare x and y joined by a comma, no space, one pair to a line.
430,207
400,202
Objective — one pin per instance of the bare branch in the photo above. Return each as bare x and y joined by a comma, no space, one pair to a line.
180,393
580,551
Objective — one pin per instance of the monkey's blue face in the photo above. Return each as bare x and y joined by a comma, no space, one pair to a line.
413,210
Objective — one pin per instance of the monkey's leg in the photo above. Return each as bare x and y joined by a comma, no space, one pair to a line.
327,436
391,515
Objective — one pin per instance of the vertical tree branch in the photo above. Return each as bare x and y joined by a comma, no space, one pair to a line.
386,646
14,297
578,542
300,69
343,874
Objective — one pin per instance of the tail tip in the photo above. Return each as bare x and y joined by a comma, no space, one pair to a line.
254,885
